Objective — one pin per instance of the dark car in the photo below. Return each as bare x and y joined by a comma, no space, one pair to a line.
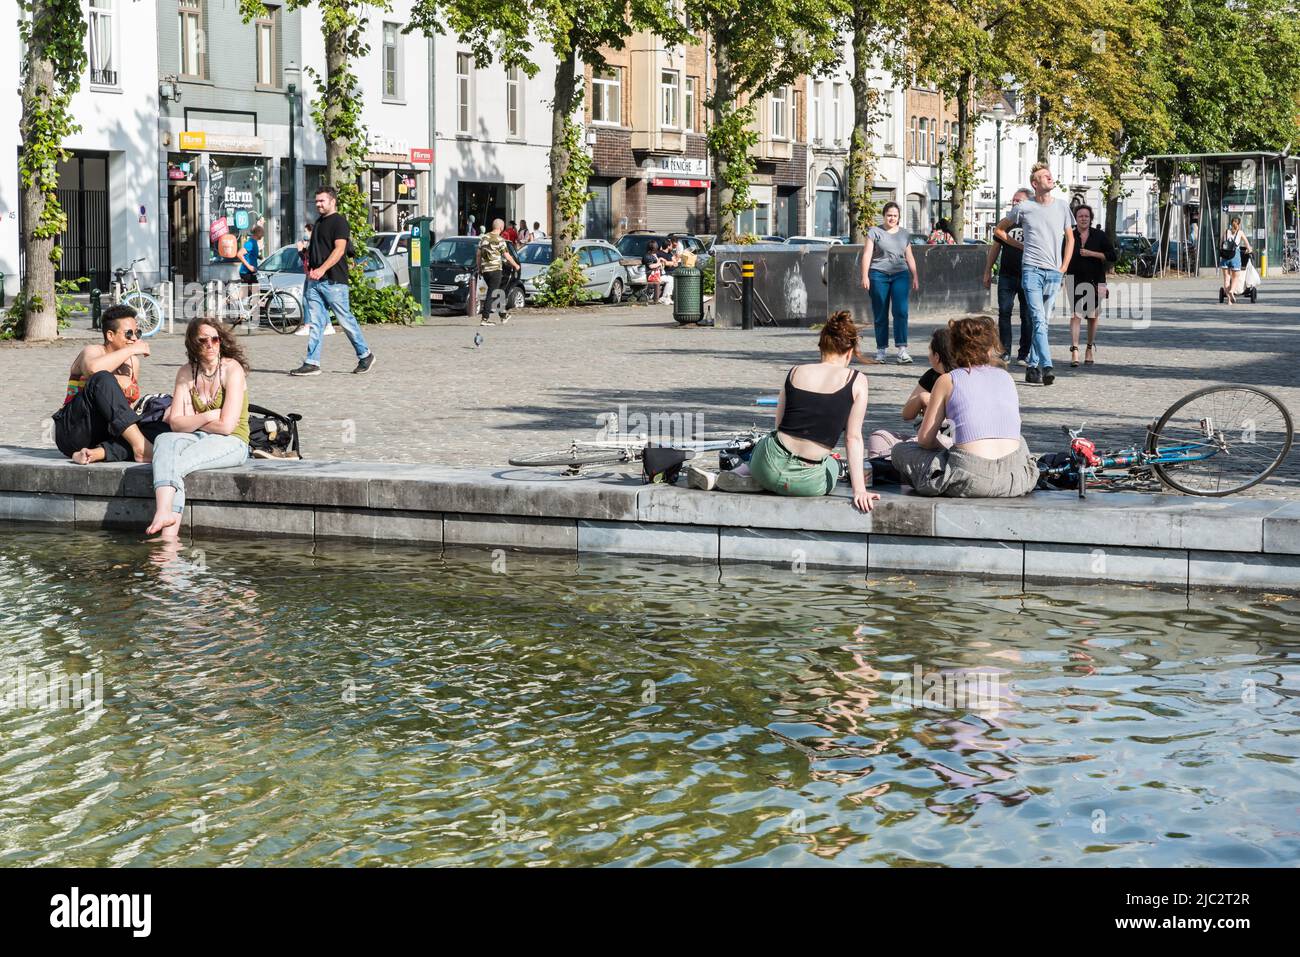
633,245
451,270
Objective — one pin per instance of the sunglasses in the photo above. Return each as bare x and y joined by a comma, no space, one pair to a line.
209,340
129,334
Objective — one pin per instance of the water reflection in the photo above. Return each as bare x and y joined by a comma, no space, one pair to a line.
273,703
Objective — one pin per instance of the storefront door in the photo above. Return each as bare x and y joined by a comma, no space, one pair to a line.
83,194
485,202
184,238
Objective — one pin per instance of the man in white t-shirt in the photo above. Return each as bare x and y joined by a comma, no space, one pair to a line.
1047,224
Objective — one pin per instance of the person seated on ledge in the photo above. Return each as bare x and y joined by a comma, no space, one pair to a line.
208,419
989,457
881,441
97,422
819,402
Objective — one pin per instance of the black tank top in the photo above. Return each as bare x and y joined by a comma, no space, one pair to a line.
817,416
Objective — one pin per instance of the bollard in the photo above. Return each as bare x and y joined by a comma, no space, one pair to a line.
746,294
96,308
2,290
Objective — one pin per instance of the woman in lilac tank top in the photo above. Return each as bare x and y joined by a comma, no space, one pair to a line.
989,457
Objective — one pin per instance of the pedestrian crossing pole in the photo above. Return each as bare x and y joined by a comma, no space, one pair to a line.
746,294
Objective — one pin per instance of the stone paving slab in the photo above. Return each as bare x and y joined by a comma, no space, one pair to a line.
544,378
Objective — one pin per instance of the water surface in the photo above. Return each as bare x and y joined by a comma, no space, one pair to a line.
284,704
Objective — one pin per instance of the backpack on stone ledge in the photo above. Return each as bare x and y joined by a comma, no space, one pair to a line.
272,435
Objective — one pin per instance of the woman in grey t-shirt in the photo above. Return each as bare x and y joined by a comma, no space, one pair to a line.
889,275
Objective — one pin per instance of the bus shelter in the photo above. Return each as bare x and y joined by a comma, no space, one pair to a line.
1249,185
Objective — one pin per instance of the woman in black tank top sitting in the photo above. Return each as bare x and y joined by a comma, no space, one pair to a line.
819,402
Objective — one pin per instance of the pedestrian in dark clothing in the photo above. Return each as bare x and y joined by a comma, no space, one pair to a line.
1093,252
1009,290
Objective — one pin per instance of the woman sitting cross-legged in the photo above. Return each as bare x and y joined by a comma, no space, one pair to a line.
989,458
819,402
208,419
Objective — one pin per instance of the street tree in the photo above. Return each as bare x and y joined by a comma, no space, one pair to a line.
52,35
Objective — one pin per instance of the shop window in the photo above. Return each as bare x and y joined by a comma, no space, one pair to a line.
236,203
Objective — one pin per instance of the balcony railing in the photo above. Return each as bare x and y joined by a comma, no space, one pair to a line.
103,77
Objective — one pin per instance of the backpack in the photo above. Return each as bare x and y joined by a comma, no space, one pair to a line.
272,435
1228,248
662,464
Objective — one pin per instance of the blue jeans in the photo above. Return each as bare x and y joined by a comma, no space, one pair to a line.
177,454
887,288
324,297
1040,286
1009,291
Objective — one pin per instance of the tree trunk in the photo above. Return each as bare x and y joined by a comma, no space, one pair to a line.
1166,196
1114,192
563,230
724,98
862,157
40,321
965,160
1044,131
338,166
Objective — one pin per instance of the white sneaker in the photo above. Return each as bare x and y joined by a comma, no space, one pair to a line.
903,358
303,330
329,330
697,477
880,356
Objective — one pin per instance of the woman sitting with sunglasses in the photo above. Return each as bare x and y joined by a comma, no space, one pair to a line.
208,419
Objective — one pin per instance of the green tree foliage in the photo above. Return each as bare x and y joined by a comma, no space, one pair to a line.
52,34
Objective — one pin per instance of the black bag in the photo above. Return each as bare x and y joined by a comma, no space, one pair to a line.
1227,249
152,407
662,465
272,435
1054,460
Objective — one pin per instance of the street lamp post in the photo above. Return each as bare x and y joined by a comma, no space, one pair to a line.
997,114
940,183
291,76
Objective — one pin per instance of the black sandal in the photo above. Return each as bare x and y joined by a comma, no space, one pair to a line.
1074,357
1086,360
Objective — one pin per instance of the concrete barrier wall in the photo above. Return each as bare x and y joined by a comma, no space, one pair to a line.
803,285
1168,541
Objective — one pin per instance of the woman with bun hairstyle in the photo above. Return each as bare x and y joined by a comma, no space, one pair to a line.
819,402
988,458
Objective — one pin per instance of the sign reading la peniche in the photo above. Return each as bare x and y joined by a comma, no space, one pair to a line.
197,141
674,166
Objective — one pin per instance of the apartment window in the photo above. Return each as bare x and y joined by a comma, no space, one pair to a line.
464,65
837,112
779,100
513,99
817,131
911,138
265,33
933,132
668,117
923,128
1020,164
101,33
606,96
688,110
393,61
887,119
193,55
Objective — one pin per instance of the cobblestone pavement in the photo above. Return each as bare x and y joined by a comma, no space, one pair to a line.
546,376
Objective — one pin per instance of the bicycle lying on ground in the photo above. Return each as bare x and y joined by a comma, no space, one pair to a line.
1214,442
148,310
620,448
283,311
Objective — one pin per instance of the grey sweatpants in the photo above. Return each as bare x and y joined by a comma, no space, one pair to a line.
959,474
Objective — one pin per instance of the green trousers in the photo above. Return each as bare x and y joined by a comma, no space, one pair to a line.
778,471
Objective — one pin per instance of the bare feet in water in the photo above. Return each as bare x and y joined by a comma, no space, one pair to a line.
165,524
87,456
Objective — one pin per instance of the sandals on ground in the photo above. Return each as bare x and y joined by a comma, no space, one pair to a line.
1074,357
1091,348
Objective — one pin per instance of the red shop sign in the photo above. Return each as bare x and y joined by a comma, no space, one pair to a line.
421,157
681,183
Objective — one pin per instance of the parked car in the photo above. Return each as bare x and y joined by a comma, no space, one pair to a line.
283,270
451,269
815,241
1136,252
397,247
607,277
632,247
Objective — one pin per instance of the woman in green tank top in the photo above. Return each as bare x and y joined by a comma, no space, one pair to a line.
208,419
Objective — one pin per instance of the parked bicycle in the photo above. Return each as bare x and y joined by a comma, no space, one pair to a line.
1214,442
282,310
148,310
619,448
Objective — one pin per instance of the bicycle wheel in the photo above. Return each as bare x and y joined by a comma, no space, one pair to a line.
282,313
148,312
572,457
1239,435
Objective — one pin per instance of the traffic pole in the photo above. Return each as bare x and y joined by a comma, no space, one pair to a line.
746,294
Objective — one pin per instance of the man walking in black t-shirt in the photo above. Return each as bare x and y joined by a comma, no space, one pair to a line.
1009,290
327,285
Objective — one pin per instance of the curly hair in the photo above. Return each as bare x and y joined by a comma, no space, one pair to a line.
839,335
229,349
974,342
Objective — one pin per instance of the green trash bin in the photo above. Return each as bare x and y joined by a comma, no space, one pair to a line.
688,297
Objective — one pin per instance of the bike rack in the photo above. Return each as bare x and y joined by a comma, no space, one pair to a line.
764,312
